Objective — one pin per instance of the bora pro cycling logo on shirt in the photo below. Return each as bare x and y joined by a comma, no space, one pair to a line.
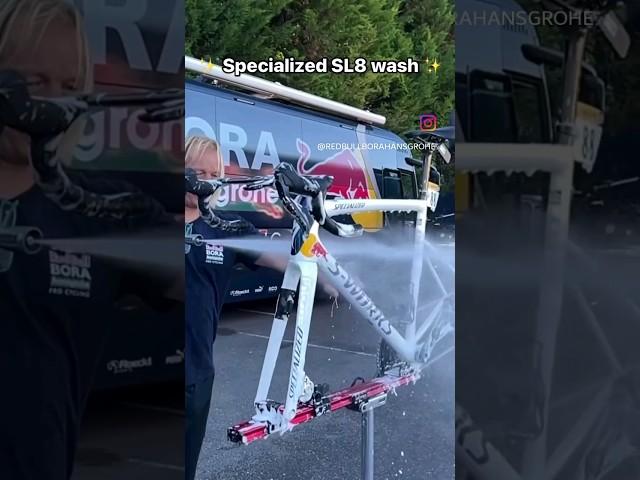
214,254
70,274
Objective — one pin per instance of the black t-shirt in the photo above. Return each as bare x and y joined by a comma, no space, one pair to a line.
55,308
208,270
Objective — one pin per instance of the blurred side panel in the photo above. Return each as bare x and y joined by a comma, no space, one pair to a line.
91,229
548,201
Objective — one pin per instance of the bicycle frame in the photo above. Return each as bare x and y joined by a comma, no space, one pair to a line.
302,272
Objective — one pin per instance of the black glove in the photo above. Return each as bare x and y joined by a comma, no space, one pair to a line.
199,188
35,117
301,185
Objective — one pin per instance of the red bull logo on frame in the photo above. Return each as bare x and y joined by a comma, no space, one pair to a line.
318,250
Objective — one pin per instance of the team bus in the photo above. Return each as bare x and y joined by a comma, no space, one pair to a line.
510,92
257,131
137,47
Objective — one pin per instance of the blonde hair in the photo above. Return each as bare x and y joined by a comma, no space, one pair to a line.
196,146
26,21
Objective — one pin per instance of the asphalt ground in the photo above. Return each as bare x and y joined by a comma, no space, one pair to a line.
498,275
413,431
133,434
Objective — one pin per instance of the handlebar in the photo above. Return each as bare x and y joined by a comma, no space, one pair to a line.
315,187
44,116
133,99
287,181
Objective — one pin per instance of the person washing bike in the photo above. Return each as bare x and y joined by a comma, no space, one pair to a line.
208,270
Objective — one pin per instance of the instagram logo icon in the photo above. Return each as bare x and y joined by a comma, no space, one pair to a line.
428,122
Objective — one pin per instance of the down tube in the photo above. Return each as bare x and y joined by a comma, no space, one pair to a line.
356,296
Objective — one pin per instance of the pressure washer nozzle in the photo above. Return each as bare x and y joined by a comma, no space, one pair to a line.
21,239
196,240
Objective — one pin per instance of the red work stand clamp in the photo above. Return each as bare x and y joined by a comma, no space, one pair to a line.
363,397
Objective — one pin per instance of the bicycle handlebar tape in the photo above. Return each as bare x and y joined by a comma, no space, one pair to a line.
200,188
153,97
300,184
20,239
165,112
320,214
238,226
57,187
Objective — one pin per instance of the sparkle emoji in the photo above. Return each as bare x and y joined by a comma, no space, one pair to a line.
432,66
209,65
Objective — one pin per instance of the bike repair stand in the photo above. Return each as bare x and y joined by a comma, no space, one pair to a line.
366,407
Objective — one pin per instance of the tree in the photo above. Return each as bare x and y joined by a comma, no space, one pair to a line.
313,29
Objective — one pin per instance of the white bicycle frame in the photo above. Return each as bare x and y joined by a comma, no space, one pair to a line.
302,271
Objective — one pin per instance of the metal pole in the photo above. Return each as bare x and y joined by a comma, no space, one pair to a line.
367,444
557,228
418,255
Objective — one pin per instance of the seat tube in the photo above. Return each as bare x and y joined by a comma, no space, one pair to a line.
308,281
284,307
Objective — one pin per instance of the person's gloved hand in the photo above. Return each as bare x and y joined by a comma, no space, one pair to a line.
50,154
36,116
198,187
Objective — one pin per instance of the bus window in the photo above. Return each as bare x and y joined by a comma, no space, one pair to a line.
409,191
529,106
592,91
408,181
462,101
378,174
492,110
392,184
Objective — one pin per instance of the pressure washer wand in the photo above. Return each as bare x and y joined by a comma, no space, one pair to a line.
21,239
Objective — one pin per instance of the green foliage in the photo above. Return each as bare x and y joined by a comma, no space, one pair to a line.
311,29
